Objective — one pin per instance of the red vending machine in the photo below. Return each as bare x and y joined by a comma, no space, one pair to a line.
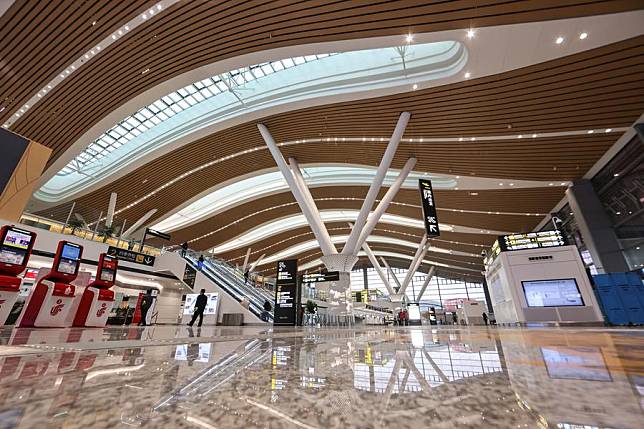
51,299
15,248
97,300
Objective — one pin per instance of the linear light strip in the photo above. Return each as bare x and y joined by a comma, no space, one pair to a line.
83,59
343,139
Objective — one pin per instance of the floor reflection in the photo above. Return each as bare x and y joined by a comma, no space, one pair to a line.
413,377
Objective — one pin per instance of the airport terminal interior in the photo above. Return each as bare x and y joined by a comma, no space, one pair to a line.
322,214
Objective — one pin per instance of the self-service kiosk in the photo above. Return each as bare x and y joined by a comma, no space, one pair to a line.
97,300
15,248
51,299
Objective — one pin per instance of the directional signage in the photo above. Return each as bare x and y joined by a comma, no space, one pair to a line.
331,276
429,208
155,233
189,276
286,293
130,256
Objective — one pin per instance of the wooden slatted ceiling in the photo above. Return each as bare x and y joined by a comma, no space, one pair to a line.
578,84
539,200
192,34
39,39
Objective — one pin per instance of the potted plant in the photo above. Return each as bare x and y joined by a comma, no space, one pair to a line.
75,223
106,232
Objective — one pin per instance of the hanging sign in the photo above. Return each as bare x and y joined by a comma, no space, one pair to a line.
286,293
131,256
429,208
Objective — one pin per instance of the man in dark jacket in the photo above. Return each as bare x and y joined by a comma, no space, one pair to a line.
200,306
146,303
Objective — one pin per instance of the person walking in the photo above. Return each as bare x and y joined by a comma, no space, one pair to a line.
184,249
484,318
267,309
200,306
146,303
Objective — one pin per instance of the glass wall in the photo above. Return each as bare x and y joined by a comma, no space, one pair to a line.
438,291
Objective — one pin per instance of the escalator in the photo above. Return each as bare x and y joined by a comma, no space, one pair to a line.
224,276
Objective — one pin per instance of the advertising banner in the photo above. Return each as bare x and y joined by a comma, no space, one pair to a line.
286,293
429,208
189,276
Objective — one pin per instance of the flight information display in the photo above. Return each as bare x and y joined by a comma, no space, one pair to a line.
15,245
552,293
531,240
69,259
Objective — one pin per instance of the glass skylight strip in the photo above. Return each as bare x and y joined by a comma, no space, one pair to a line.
176,102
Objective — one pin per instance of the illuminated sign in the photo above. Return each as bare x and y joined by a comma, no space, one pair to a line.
531,240
286,293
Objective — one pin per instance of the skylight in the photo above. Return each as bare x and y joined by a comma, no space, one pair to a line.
173,103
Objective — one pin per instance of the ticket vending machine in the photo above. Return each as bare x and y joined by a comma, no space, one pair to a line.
51,299
15,248
97,300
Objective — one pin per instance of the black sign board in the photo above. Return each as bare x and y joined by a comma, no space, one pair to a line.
331,276
532,240
189,276
156,233
429,208
130,256
286,293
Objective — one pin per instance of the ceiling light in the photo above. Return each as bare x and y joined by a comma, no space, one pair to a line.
460,139
409,38
120,33
616,175
415,86
534,136
151,11
113,37
500,184
559,40
608,130
144,16
562,184
127,28
551,184
582,36
93,22
159,7
511,184
618,213
467,75
591,131
520,136
473,138
470,33
458,177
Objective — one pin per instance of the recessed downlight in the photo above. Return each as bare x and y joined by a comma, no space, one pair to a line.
559,40
467,75
470,33
582,36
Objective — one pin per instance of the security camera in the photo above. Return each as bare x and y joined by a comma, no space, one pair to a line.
483,253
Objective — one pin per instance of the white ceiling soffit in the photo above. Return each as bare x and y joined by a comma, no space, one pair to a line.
492,50
313,244
263,183
288,223
5,5
426,261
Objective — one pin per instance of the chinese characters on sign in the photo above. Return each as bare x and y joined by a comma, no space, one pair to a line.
429,208
286,293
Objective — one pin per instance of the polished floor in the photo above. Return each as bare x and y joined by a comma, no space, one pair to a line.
405,377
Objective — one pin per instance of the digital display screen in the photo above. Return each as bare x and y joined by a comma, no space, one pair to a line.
191,299
69,259
15,246
532,240
575,363
552,293
107,275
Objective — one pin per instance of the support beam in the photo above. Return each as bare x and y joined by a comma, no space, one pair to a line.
428,279
376,266
246,260
256,263
418,257
374,218
319,230
393,275
351,246
308,199
138,224
110,210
